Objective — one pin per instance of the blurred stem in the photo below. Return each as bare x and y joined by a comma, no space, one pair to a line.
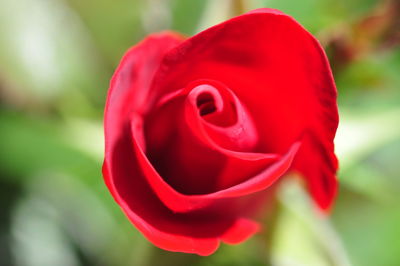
318,223
240,7
270,222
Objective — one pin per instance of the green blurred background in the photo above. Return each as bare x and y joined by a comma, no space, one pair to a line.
56,59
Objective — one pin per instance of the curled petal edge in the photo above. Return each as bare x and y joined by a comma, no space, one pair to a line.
239,231
179,202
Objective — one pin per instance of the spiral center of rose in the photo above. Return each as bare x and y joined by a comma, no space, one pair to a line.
215,104
206,104
200,126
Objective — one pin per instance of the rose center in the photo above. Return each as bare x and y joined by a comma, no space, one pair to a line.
206,104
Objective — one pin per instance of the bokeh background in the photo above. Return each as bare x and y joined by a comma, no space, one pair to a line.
56,59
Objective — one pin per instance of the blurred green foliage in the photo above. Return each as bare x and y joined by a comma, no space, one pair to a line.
56,60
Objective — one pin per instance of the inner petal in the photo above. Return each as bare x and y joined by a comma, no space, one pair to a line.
201,139
214,104
184,162
206,104
225,120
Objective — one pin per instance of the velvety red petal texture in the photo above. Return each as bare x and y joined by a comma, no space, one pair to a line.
281,74
194,232
195,171
196,130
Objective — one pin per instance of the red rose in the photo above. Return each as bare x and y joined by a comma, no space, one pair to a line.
195,127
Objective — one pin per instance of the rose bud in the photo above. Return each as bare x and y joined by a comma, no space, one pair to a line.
196,129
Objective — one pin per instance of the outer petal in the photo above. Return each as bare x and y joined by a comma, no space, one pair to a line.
128,92
192,232
280,72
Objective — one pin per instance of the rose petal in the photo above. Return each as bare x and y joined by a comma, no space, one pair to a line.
180,202
196,156
189,233
131,81
280,73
